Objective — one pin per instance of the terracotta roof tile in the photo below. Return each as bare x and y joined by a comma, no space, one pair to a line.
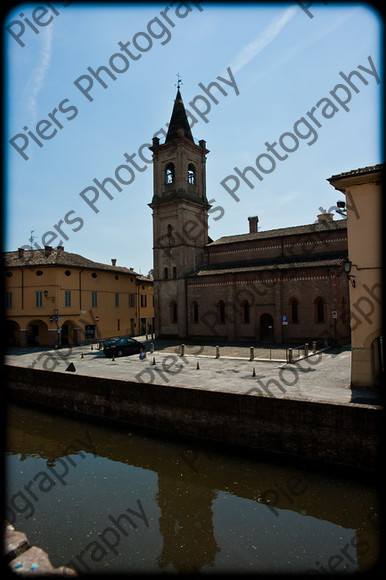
292,263
58,257
280,232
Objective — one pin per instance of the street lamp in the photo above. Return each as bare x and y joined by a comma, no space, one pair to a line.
347,268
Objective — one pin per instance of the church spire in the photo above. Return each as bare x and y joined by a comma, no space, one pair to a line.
179,124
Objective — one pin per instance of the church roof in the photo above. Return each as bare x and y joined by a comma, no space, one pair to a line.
273,264
178,121
281,232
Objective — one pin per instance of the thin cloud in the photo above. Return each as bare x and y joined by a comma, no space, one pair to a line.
249,51
37,79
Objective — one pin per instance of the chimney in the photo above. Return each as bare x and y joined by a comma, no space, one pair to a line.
21,252
253,224
47,250
325,217
114,261
60,248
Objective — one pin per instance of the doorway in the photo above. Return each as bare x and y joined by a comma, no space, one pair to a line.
266,328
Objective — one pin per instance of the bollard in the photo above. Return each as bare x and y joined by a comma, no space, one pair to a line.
113,357
82,355
92,348
217,352
152,347
153,363
314,346
182,349
290,355
251,353
306,349
254,372
198,366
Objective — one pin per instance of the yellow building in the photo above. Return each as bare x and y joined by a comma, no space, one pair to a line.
363,191
57,298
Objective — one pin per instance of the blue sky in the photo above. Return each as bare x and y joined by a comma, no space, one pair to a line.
283,63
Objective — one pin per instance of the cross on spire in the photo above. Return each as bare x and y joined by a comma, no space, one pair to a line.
179,81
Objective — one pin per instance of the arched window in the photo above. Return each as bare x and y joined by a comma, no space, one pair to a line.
294,304
194,312
169,173
246,311
173,312
191,174
221,312
319,310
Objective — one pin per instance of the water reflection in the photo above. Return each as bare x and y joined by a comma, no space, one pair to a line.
207,511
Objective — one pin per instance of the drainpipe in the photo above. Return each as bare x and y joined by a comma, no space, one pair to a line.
80,290
22,288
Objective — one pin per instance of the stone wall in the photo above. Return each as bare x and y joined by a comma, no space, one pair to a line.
329,432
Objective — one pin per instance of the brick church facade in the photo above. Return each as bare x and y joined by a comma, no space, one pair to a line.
281,285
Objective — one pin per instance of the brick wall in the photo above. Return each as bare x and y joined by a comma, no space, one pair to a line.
328,432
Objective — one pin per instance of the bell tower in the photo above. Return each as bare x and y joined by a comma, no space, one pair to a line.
180,219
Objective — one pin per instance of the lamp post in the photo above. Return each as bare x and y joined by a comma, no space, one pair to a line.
347,268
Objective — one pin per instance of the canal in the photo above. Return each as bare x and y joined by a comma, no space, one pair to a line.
103,498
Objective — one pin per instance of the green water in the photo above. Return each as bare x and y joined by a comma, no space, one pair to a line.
105,499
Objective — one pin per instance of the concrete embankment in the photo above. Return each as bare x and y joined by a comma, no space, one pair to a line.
25,559
339,433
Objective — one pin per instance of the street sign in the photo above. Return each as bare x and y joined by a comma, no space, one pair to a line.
284,320
96,318
56,318
334,314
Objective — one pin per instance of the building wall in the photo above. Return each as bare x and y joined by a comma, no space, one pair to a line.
270,295
101,303
364,213
331,240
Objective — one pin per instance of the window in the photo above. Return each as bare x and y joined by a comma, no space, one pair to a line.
67,273
221,311
39,272
94,299
319,307
173,312
174,272
191,174
246,311
118,324
143,300
67,298
294,311
194,313
165,273
116,299
39,298
169,173
8,300
131,300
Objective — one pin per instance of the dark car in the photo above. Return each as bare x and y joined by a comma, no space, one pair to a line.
122,346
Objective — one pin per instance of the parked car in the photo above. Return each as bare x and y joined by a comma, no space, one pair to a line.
122,346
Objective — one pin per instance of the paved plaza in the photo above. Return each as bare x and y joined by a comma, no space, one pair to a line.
323,376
